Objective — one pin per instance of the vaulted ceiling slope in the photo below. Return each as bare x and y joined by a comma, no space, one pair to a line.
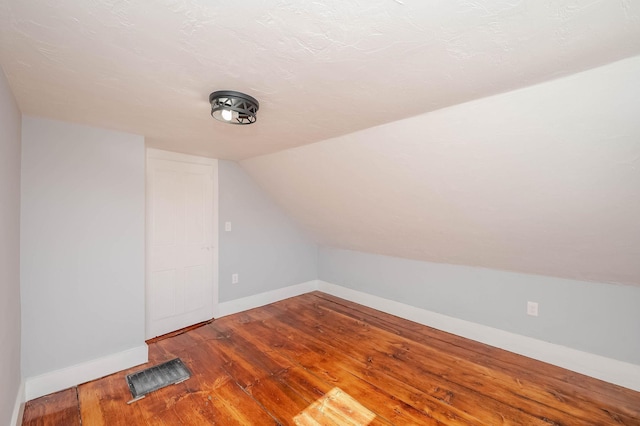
320,69
397,127
542,180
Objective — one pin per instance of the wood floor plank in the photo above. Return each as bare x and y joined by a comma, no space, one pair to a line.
436,390
104,401
323,358
494,380
605,393
314,386
216,392
500,382
613,401
318,359
390,407
470,383
256,373
60,408
306,384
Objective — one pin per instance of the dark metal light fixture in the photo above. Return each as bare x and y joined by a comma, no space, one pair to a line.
233,107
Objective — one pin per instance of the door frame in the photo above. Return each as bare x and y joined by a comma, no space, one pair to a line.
158,154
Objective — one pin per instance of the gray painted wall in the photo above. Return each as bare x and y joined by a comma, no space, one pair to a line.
265,247
602,319
82,244
10,124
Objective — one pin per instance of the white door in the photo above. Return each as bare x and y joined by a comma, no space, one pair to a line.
180,242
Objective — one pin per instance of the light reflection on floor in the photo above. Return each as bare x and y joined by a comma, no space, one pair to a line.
336,407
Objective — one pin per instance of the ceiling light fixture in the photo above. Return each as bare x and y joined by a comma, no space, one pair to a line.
233,107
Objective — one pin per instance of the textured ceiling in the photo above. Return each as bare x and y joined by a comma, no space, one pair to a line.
386,126
320,69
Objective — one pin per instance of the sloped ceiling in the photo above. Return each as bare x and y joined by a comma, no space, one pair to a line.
319,68
387,126
542,180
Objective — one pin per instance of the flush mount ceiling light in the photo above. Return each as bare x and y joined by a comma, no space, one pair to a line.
233,107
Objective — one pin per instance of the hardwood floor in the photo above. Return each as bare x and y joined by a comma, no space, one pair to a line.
60,408
319,360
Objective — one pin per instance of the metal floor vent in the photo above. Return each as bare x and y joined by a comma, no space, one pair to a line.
154,378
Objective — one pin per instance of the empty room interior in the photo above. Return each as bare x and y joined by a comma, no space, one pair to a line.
385,212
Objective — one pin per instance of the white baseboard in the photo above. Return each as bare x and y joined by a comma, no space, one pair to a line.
65,378
257,300
607,369
18,408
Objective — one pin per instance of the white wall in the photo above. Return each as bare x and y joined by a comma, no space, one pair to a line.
10,377
82,244
601,319
265,247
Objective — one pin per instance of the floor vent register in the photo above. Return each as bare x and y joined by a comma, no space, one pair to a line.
151,379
